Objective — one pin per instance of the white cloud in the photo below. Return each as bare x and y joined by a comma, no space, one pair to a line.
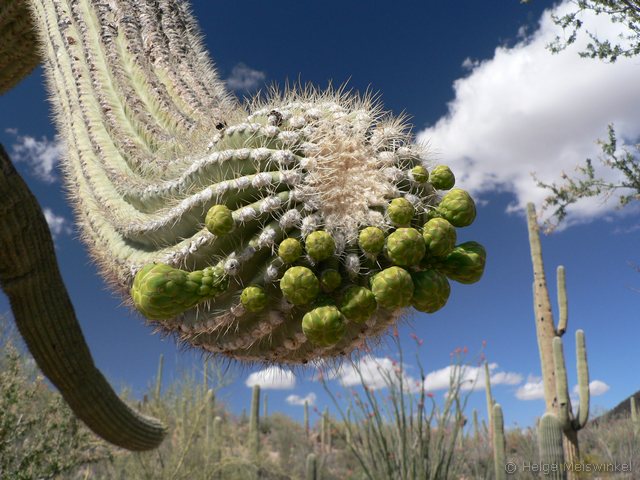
272,378
244,78
298,400
41,155
526,110
532,390
471,378
596,387
376,373
57,224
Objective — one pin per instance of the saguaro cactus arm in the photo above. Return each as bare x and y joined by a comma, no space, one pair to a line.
18,38
46,320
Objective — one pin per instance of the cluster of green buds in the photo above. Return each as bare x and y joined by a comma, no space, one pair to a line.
316,279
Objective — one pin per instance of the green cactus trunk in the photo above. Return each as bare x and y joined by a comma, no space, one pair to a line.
550,445
306,418
254,423
216,453
312,467
499,444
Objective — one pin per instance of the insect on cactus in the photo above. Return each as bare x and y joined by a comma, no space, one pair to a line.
287,230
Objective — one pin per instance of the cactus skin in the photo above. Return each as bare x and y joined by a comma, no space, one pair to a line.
499,444
431,291
393,288
254,423
442,178
458,208
439,237
358,304
405,247
550,446
324,326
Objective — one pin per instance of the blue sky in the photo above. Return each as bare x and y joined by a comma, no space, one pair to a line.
492,102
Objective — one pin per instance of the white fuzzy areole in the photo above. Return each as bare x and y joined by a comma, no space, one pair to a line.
345,176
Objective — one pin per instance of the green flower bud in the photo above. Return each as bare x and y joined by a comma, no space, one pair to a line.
161,292
431,291
290,250
458,208
320,245
324,326
330,279
442,178
405,247
465,264
439,237
358,304
371,240
299,285
400,212
393,288
219,220
420,174
254,298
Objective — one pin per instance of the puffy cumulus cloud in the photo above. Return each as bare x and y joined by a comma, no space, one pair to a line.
272,378
58,225
298,400
470,378
374,372
533,389
42,155
596,387
244,78
526,110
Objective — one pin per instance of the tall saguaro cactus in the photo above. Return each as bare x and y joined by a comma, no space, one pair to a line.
556,389
290,229
254,423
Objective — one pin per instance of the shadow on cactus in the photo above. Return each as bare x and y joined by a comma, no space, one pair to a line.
287,230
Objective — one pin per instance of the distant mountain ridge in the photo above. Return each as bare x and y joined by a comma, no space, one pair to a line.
623,409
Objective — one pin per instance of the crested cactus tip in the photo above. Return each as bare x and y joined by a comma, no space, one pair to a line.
285,230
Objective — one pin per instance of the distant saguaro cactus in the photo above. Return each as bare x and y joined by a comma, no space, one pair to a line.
254,422
290,229
499,443
554,374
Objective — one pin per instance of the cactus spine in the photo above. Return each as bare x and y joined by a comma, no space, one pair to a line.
499,444
254,423
552,360
550,439
312,467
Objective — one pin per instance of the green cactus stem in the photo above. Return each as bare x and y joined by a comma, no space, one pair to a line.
550,446
306,418
216,454
499,444
635,417
476,426
254,423
44,315
312,467
489,397
565,415
563,309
